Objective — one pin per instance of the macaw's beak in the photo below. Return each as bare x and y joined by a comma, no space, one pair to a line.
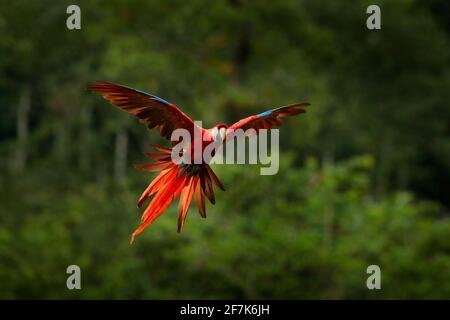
223,133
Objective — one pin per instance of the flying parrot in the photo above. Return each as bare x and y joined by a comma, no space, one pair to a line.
194,180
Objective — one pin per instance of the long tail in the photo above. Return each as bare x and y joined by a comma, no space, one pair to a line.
188,180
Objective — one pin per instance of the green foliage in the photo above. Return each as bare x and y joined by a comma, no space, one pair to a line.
363,177
313,238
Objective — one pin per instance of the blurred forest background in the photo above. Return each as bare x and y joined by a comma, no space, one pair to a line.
364,174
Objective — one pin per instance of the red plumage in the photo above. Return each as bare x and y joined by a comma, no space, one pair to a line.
174,180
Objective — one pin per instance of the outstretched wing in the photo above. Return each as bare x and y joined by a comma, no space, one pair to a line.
151,110
270,118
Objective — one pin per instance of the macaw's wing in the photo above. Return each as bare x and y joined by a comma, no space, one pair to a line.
270,118
151,110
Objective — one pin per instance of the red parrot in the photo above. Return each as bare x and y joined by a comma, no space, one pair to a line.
185,180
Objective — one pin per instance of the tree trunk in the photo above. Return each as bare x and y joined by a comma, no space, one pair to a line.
23,111
84,146
120,158
61,143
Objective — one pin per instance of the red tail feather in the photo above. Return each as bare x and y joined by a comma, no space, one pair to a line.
185,200
173,180
200,199
154,186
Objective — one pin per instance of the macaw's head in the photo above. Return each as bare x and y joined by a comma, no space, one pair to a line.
219,131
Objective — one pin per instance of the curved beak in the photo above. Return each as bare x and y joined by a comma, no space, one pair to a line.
223,133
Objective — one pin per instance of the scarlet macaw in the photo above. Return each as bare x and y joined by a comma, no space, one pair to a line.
193,180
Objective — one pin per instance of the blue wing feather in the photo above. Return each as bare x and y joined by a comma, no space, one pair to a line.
265,114
167,103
